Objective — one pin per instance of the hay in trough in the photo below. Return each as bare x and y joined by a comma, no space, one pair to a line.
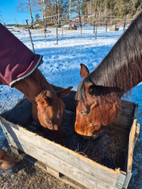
109,149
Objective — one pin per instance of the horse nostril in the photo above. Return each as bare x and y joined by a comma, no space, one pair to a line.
49,121
55,127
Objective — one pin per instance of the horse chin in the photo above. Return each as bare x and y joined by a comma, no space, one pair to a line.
90,132
52,127
93,136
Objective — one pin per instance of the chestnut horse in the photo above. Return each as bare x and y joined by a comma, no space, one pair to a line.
99,92
18,68
47,106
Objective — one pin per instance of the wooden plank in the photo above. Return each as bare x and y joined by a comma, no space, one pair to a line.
60,158
18,135
127,180
132,140
126,116
71,182
125,122
120,181
55,149
52,172
127,108
64,167
21,114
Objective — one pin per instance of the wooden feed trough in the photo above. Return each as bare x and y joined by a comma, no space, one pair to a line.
95,164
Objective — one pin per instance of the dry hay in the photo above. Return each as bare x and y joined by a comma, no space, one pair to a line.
109,149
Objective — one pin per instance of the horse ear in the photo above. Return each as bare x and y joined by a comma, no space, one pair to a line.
84,70
64,92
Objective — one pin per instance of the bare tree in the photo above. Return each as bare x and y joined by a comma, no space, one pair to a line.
69,14
30,10
42,6
26,7
78,5
43,11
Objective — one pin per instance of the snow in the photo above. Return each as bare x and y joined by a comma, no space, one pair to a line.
62,67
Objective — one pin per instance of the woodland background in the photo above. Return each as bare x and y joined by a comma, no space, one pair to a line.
53,12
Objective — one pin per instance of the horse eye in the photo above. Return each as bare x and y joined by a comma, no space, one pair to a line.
92,90
48,100
42,102
84,112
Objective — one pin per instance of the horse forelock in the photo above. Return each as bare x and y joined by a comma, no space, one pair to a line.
80,95
41,95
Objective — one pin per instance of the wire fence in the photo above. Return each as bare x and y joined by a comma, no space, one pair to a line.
79,22
62,25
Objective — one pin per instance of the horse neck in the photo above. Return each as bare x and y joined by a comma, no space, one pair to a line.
32,85
122,67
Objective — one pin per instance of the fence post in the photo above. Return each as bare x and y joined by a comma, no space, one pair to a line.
44,31
125,22
106,25
62,28
96,31
30,36
56,34
115,24
94,27
80,21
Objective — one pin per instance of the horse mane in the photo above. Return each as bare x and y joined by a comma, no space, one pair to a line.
122,67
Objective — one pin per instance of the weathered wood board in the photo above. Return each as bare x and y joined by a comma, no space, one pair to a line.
77,167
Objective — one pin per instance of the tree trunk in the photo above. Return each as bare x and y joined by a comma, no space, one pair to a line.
69,10
30,10
79,15
42,3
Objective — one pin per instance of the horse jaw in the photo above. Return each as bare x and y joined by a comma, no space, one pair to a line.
49,108
98,115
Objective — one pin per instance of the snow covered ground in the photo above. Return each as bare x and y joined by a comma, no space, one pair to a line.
62,67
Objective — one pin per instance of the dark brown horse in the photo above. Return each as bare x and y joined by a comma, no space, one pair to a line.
100,91
18,68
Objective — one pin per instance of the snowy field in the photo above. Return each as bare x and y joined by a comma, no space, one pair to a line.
62,67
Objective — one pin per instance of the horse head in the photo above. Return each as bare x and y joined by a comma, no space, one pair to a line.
97,106
50,108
